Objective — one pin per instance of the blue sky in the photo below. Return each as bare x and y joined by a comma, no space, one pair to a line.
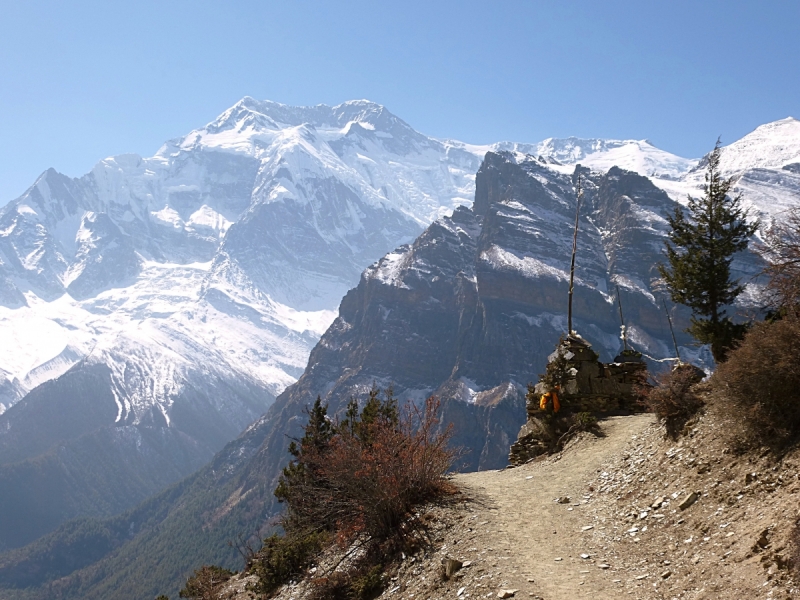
83,80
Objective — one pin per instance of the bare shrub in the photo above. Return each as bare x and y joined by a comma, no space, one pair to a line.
205,583
335,586
672,399
570,425
761,379
358,584
781,250
370,474
357,482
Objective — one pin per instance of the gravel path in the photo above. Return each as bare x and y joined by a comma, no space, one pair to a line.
621,530
541,545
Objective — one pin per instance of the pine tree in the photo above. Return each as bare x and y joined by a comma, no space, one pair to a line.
700,249
317,434
375,411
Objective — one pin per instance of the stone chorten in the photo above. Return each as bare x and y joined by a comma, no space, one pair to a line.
587,386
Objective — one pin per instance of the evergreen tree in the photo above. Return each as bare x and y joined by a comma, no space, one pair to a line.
303,475
375,411
317,434
700,249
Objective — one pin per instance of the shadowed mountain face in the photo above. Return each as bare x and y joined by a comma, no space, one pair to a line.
67,450
470,311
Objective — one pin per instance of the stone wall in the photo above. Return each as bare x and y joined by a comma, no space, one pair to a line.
590,387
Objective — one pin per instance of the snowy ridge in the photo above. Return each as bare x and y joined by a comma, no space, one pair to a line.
242,236
770,146
639,156
765,166
360,141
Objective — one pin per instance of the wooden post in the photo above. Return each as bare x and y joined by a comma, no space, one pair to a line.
622,323
574,249
672,331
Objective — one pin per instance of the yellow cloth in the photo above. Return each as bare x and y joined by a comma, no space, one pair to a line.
547,397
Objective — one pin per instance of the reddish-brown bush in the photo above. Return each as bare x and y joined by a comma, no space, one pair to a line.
672,399
367,478
761,380
781,250
357,481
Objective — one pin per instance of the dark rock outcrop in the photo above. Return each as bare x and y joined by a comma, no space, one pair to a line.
470,311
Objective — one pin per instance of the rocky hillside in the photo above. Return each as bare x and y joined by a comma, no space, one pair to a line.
630,513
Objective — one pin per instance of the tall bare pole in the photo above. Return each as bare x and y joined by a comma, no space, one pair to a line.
672,331
579,189
622,322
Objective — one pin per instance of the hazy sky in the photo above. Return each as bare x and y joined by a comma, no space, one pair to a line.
81,80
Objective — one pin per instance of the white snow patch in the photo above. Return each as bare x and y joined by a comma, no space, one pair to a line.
168,216
529,266
769,146
206,217
390,268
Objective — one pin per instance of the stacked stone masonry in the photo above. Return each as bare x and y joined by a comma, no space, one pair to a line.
593,387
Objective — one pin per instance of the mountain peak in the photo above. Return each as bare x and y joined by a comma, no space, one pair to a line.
640,156
360,102
769,146
274,115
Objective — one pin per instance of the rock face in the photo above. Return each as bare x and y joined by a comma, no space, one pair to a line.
470,311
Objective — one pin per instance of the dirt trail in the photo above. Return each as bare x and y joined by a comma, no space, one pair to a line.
647,518
531,537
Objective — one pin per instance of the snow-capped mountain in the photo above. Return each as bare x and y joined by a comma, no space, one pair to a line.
270,211
182,292
179,294
469,312
639,156
765,165
247,216
770,146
